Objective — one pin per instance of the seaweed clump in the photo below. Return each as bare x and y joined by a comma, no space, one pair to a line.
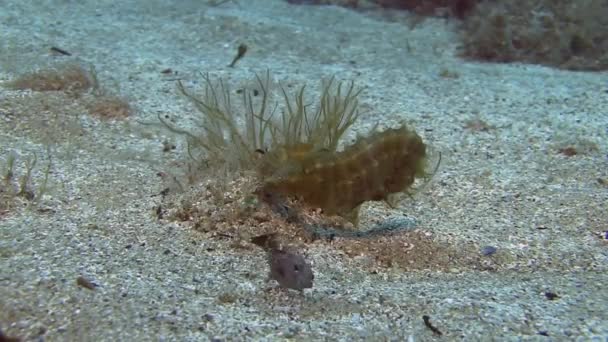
568,35
70,78
565,34
77,83
456,8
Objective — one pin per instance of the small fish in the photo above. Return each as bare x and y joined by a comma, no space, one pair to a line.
287,267
372,169
242,49
290,270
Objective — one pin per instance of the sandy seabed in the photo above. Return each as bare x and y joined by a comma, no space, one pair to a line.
506,180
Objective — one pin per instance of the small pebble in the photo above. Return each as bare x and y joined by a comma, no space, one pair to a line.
488,250
84,282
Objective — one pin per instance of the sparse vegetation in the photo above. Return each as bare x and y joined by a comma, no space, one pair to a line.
109,107
45,117
71,78
79,85
14,189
